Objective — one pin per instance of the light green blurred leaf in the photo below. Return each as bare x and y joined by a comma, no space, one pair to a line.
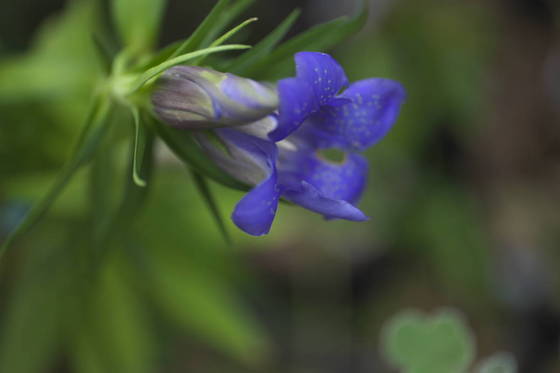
61,62
498,363
137,22
422,344
192,275
204,306
114,335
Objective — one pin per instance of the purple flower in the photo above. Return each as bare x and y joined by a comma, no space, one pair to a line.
279,154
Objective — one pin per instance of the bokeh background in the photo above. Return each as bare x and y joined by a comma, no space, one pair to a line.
464,196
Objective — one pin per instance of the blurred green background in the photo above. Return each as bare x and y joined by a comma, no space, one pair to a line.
463,194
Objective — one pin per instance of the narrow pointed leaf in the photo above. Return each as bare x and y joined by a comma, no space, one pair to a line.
206,193
206,27
222,39
319,38
139,147
248,59
227,17
218,18
90,138
154,71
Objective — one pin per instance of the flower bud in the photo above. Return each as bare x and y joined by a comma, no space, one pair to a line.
201,98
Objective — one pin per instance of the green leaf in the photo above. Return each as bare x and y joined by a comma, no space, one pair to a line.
499,363
247,60
208,26
61,61
139,147
137,22
226,18
113,333
133,196
103,190
33,315
222,39
207,308
216,21
206,193
420,344
319,38
186,148
103,53
191,275
94,129
154,71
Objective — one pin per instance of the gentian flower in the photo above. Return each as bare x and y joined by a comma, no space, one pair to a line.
191,97
279,153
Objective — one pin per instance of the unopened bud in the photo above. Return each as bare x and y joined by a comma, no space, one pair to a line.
201,98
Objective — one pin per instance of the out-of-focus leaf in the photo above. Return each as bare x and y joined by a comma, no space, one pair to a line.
137,22
419,344
103,53
94,129
191,274
498,363
29,334
455,245
279,63
200,304
102,187
243,63
114,335
185,147
61,62
206,193
132,198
